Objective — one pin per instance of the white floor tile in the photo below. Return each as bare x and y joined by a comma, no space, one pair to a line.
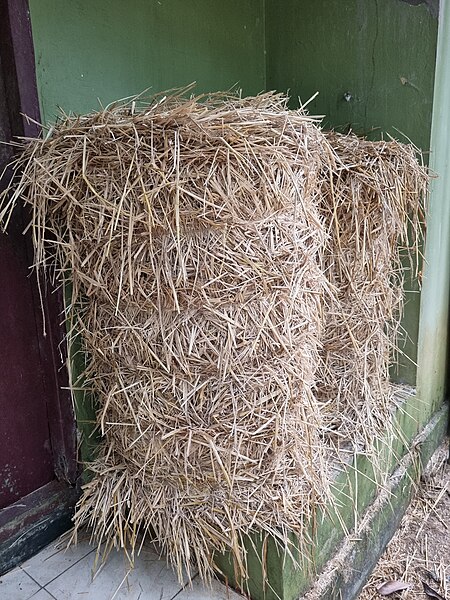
54,560
199,591
42,595
17,585
150,579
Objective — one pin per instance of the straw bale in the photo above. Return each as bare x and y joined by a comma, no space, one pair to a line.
370,204
192,235
236,285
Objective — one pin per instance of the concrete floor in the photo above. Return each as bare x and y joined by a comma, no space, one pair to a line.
59,574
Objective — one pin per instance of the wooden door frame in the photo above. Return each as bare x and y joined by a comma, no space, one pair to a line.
33,521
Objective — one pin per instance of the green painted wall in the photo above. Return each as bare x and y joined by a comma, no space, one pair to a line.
381,53
110,49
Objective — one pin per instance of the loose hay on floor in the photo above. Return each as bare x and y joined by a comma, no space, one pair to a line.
419,552
235,285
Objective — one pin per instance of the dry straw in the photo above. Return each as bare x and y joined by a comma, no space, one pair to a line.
236,286
370,204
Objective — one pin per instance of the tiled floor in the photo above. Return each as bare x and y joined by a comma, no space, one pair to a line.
59,574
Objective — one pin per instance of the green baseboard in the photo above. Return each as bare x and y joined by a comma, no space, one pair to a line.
345,575
341,535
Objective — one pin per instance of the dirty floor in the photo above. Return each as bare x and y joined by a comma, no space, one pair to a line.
418,556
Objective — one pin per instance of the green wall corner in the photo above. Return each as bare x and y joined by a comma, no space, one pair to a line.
373,63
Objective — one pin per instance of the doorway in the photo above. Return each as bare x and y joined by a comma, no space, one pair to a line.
38,463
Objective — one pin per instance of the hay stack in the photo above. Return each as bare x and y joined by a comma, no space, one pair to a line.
370,203
224,253
193,237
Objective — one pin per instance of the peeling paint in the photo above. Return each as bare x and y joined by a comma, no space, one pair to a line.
8,479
